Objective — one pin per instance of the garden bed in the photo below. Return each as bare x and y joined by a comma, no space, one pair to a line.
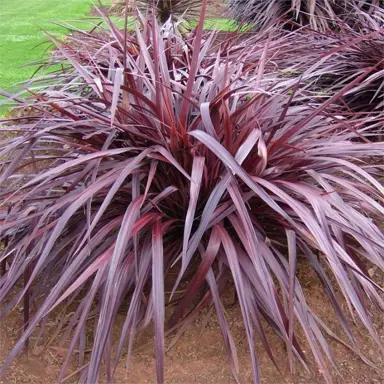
199,356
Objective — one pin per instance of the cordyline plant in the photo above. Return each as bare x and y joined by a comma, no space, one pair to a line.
349,56
155,155
327,63
321,64
319,14
164,9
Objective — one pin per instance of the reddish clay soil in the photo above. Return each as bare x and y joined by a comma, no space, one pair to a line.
199,355
216,9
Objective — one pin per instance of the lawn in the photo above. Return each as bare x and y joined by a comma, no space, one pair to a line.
23,38
22,33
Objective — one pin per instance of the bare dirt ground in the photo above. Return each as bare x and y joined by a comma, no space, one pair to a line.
199,355
216,8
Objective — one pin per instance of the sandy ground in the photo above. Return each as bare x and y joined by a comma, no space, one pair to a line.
199,355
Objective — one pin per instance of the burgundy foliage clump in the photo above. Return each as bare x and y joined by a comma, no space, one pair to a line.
153,159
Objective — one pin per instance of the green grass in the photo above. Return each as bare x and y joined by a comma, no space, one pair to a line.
23,40
224,25
21,31
23,24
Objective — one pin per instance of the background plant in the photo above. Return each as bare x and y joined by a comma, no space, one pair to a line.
319,14
321,64
165,9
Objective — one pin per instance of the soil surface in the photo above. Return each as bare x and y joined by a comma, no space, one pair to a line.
199,355
215,9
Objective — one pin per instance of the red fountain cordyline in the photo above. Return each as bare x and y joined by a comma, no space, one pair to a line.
158,155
